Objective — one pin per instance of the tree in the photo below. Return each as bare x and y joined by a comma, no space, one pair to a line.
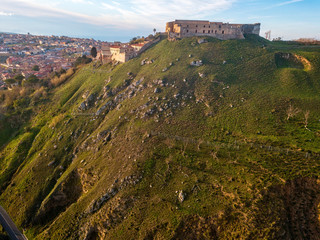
19,78
292,111
32,79
35,68
94,52
10,81
306,118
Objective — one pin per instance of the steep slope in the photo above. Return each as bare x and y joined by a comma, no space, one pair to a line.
159,149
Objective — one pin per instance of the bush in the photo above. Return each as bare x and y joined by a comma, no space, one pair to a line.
21,103
39,93
137,40
10,97
55,120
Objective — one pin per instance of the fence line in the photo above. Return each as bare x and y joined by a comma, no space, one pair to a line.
236,145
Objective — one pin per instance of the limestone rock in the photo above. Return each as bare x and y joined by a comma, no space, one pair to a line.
157,90
202,40
201,75
196,63
181,196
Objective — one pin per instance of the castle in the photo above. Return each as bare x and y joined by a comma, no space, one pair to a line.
223,31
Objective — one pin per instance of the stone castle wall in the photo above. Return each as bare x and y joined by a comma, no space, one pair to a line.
223,31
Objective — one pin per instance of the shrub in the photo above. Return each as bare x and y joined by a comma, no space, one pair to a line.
40,92
56,120
10,97
21,103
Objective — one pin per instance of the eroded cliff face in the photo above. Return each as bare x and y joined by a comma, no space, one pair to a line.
291,60
66,193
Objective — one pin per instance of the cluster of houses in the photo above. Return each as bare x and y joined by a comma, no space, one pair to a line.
122,52
19,53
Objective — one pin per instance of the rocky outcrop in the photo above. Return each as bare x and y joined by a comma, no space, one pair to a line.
112,191
197,63
87,103
290,60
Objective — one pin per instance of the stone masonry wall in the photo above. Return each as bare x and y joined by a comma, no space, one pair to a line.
223,31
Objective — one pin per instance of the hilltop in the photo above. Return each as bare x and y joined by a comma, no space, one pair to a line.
194,139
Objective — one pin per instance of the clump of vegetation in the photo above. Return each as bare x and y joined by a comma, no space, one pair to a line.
82,60
58,80
137,40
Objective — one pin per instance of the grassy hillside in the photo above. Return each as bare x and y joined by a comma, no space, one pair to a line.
158,149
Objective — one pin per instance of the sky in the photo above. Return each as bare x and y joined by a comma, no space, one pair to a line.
121,20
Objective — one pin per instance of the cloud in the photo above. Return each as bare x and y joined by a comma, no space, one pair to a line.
125,14
5,13
287,3
82,1
259,17
156,13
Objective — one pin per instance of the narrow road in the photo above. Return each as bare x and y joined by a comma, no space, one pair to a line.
9,226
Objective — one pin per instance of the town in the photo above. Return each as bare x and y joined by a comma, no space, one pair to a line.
24,55
28,55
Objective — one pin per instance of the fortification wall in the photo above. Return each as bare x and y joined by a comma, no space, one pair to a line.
147,45
223,31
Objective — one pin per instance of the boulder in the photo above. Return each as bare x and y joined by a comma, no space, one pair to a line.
202,40
102,134
201,75
83,106
90,99
157,90
181,196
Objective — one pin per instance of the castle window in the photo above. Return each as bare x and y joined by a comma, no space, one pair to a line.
196,31
219,26
215,31
222,32
209,26
209,31
204,26
196,25
187,31
204,31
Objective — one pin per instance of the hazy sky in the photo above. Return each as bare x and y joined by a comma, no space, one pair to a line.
123,19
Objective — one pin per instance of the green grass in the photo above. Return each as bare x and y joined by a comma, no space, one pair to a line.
223,146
